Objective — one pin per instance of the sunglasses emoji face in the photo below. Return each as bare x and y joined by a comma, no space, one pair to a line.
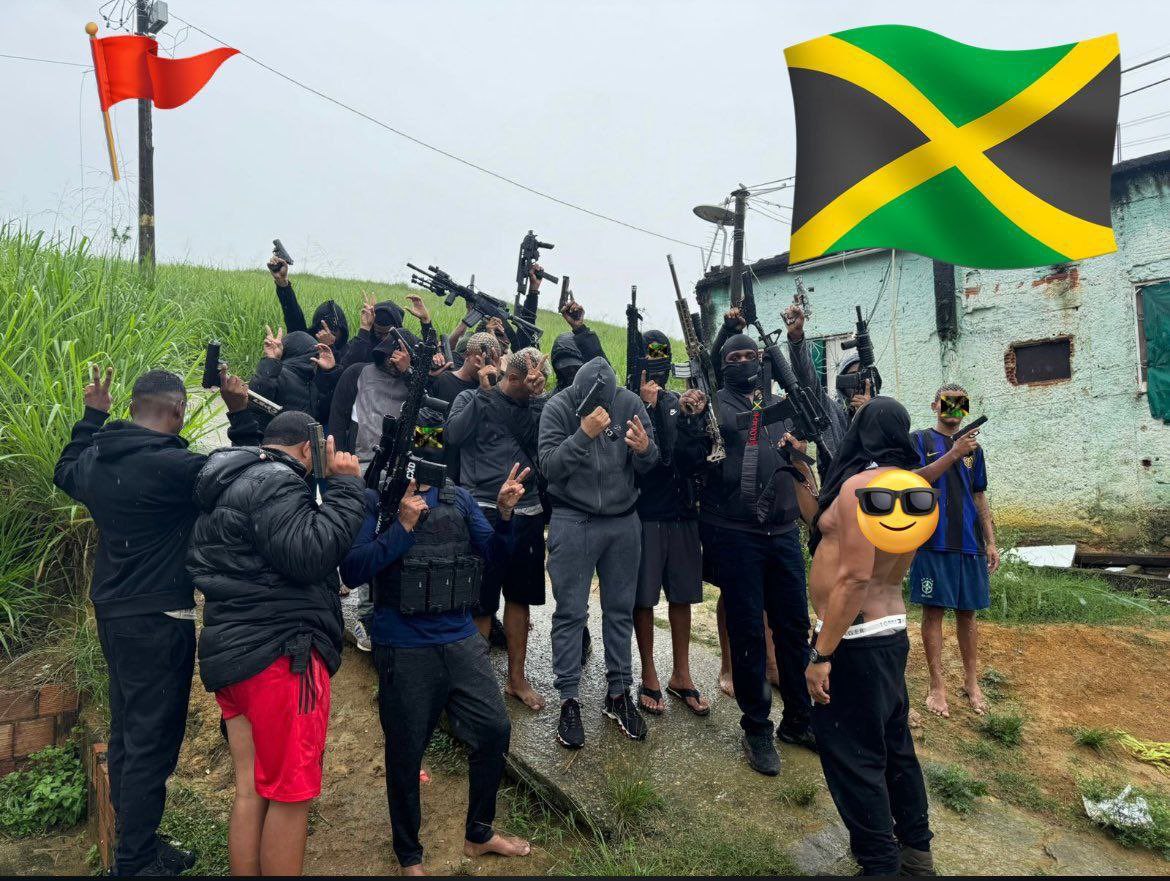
897,511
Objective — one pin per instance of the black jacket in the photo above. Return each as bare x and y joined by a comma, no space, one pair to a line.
293,381
138,485
329,312
265,557
722,500
667,492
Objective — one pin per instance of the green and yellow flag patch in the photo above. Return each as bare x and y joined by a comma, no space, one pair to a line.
980,157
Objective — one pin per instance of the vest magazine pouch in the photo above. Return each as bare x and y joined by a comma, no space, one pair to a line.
442,579
413,590
468,573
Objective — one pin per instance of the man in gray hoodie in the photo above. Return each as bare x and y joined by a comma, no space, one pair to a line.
589,462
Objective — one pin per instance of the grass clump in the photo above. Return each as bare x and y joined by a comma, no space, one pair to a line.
1007,728
1156,836
1094,738
1022,790
189,819
954,786
47,794
1021,594
983,750
445,753
798,792
634,802
994,683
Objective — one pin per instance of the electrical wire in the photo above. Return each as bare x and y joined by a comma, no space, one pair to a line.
44,60
467,162
768,215
1144,63
1146,86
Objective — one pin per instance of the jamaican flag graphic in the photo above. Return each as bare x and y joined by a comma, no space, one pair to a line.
909,140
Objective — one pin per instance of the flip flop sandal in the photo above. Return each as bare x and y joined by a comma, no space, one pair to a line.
655,695
683,694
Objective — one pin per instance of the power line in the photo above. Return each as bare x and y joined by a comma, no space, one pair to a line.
1144,119
501,177
1144,63
764,213
44,60
1147,86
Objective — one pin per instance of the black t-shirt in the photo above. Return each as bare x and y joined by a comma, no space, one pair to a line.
447,385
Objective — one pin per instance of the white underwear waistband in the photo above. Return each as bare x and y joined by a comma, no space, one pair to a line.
888,624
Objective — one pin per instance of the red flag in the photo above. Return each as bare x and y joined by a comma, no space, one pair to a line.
130,67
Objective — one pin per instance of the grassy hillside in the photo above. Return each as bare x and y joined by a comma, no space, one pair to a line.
62,309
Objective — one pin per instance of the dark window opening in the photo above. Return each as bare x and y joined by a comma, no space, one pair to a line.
1143,356
1040,361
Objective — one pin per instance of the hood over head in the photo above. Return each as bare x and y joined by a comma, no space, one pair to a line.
735,343
565,352
120,438
588,374
853,358
334,316
388,313
657,369
381,352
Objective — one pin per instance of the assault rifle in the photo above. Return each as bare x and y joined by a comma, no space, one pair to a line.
699,373
800,405
530,253
479,305
866,372
211,365
393,465
635,345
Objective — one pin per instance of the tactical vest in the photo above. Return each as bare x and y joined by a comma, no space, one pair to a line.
437,574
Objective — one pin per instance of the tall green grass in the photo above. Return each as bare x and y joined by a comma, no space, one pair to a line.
63,307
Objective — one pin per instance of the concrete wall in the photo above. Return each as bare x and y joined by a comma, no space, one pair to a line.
1077,459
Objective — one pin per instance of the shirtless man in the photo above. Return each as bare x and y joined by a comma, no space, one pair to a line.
859,658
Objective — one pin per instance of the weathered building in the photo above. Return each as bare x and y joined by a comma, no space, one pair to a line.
1056,357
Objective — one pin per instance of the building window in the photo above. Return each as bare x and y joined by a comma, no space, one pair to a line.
1143,355
827,356
1036,362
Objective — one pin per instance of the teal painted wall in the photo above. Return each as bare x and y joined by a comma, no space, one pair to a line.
1080,459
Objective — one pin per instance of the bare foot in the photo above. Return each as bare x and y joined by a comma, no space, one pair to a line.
413,870
526,695
914,718
725,684
499,844
936,702
975,696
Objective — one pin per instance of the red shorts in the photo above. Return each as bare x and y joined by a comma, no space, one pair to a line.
289,715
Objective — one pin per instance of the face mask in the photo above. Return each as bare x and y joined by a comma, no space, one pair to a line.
741,376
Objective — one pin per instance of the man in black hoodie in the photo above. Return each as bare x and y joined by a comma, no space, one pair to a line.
329,323
377,323
748,512
265,556
136,478
296,372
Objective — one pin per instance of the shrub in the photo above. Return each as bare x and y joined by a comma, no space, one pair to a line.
1093,738
1007,728
49,793
1021,594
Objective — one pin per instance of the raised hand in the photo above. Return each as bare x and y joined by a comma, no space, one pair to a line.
489,375
340,463
325,359
860,399
692,402
512,490
596,422
412,507
233,390
734,318
536,380
636,437
794,318
325,334
416,307
97,393
279,270
574,314
367,318
273,345
534,278
649,390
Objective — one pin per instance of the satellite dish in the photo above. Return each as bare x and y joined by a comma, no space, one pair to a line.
715,214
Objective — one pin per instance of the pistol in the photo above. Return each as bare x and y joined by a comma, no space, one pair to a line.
279,251
317,444
566,294
593,400
211,365
978,422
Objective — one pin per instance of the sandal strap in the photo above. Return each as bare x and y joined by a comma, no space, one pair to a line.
653,693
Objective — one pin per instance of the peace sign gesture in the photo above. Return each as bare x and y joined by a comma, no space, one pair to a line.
273,343
97,393
512,490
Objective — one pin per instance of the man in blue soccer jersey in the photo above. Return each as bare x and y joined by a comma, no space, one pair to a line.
952,570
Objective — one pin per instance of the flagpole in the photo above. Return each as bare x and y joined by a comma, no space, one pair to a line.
91,28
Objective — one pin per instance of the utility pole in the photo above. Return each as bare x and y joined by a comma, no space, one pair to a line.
735,289
145,164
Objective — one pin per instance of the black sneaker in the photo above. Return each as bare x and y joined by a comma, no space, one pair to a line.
497,637
761,754
803,738
570,730
155,869
586,646
625,712
173,857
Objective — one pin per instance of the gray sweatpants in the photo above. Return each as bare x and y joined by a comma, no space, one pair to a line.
578,544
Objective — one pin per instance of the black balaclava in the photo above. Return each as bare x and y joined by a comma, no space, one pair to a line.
381,353
566,359
299,350
878,435
742,377
657,369
331,314
388,314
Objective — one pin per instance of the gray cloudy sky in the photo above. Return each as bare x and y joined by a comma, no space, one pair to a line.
637,110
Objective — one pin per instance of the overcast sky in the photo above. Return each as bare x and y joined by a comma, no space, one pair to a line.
637,110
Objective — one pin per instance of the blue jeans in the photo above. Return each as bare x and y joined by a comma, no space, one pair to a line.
764,574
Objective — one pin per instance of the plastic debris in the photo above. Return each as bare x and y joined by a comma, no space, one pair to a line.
1125,811
1060,556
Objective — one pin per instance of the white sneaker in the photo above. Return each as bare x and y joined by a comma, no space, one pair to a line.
355,630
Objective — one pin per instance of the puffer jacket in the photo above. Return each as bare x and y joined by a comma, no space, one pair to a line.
265,557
